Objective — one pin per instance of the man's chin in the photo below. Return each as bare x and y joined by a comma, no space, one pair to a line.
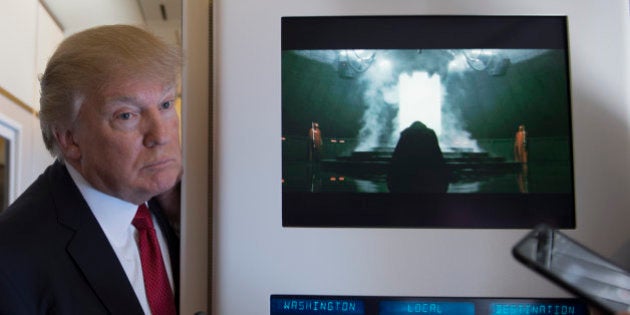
151,185
164,185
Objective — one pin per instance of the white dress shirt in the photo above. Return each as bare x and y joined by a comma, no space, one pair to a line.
114,216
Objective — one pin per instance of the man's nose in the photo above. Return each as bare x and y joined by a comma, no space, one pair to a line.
156,130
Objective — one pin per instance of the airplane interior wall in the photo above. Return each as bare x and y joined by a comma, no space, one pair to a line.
255,256
25,53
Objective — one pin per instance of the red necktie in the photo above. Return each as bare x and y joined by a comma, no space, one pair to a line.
156,284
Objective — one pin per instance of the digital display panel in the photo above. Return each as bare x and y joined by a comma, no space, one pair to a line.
426,121
425,307
373,305
315,306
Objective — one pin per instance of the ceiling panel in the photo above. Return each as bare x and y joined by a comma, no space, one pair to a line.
162,17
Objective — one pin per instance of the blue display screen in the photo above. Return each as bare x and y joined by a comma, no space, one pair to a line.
329,306
372,305
535,309
426,307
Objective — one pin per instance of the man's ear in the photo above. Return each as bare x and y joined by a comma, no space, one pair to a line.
69,148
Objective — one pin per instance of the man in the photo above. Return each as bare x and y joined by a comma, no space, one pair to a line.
71,243
315,142
417,164
520,145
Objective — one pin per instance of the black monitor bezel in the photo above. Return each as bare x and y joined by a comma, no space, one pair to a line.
487,211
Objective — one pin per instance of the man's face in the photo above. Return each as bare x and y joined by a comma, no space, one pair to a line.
127,139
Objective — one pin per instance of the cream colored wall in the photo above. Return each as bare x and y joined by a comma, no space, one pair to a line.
48,37
29,36
254,256
18,26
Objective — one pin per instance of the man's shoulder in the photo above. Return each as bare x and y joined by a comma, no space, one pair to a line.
30,229
33,209
33,197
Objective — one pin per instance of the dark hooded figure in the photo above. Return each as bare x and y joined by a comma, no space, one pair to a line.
417,164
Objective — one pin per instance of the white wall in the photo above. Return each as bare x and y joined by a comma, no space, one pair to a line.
28,37
49,35
18,26
79,15
255,257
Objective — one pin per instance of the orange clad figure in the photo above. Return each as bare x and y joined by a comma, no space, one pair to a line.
520,145
315,142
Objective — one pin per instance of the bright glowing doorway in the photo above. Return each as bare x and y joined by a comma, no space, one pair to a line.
420,99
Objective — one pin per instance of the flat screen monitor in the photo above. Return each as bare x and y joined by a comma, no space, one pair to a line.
426,122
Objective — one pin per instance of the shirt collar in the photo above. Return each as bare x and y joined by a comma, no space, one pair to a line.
113,215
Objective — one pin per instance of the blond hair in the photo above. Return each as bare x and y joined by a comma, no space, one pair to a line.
86,61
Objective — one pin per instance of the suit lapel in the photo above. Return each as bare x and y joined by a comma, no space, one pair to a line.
89,247
98,262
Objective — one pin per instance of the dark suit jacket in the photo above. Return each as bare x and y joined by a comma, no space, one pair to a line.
55,258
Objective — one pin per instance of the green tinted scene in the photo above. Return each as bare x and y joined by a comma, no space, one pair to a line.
437,120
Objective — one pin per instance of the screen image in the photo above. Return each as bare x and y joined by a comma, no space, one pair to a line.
381,305
426,121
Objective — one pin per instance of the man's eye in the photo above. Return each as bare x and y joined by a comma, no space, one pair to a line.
167,105
124,116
